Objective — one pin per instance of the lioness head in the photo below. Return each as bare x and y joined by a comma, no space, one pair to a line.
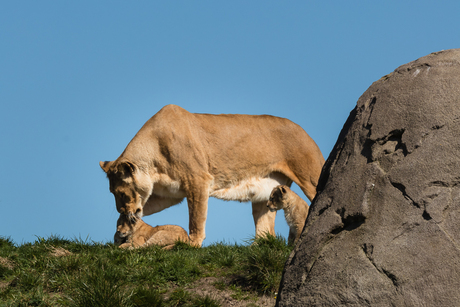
277,198
130,186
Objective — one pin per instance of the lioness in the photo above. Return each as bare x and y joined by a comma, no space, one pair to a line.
132,233
295,210
177,155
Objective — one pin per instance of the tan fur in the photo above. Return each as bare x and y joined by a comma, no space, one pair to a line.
134,233
178,155
295,210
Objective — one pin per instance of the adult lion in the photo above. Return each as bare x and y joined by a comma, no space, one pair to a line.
177,155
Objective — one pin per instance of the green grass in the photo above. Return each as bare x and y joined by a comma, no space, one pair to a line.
95,274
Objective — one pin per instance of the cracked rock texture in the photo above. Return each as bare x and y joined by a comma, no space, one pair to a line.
384,228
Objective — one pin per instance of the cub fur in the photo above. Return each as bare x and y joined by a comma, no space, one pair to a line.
134,233
295,210
178,154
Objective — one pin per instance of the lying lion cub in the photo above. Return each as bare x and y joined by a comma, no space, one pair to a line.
134,233
295,210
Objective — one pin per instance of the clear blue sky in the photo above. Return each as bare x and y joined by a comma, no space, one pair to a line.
79,78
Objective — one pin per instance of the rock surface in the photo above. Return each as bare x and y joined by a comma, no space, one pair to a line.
384,228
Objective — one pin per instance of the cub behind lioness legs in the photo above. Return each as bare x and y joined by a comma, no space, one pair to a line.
295,210
134,233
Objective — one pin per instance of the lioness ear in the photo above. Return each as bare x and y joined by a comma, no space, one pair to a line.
127,168
105,165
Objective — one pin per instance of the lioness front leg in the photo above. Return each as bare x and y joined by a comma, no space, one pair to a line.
198,210
157,203
264,219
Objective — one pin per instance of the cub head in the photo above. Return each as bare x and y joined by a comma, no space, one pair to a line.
125,229
130,186
277,198
117,240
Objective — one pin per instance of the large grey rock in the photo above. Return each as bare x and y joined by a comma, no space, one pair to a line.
384,228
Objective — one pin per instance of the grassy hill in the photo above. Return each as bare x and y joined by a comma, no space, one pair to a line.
60,272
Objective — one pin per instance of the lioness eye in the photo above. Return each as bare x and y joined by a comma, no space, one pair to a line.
122,198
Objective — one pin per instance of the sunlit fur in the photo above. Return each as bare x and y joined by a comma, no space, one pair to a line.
135,233
252,189
179,155
295,209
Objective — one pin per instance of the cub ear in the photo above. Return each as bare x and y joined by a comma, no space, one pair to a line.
277,193
283,189
105,165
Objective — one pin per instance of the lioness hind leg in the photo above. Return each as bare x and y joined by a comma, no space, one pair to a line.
292,235
308,189
264,219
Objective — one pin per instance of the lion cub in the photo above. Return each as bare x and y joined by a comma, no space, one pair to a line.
295,210
136,233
